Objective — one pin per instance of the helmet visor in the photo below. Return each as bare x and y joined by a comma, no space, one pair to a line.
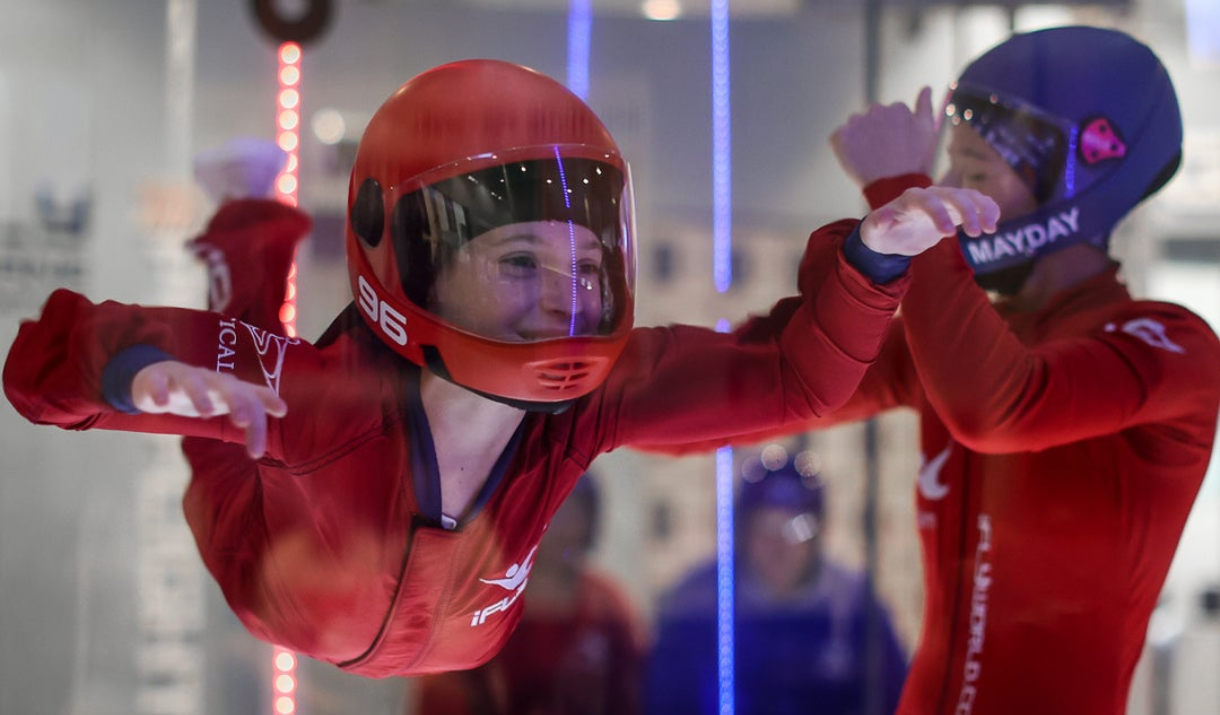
1036,145
521,250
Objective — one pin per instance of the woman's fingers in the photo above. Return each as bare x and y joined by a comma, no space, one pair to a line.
920,218
196,388
159,388
189,391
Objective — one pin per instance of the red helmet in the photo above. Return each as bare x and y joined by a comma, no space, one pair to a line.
490,233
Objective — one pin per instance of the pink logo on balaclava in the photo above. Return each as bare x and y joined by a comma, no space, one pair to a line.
1099,142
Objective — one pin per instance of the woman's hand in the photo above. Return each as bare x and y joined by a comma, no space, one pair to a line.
180,389
920,218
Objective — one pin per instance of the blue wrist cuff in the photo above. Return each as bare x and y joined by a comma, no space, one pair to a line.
879,267
122,369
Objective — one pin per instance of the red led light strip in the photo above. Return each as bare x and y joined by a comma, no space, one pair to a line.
284,682
288,137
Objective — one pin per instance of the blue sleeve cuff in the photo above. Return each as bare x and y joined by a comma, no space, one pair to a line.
122,369
879,267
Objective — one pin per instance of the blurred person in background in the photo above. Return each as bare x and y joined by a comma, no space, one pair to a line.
579,647
802,620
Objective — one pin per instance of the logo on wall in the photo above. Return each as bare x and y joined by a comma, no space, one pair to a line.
64,215
45,251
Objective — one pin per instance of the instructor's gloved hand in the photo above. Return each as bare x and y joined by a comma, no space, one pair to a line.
920,218
180,389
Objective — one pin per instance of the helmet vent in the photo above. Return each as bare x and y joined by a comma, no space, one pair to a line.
566,375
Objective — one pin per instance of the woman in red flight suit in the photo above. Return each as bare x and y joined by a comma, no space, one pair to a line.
414,455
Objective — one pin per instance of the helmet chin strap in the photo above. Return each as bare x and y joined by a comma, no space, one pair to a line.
437,366
1002,261
1049,228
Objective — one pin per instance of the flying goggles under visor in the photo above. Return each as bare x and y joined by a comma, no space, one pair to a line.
1036,145
1042,148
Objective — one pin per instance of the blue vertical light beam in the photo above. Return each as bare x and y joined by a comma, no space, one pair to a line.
573,275
724,579
580,29
722,274
722,169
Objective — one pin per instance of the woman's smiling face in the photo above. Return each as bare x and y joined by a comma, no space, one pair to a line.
524,282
